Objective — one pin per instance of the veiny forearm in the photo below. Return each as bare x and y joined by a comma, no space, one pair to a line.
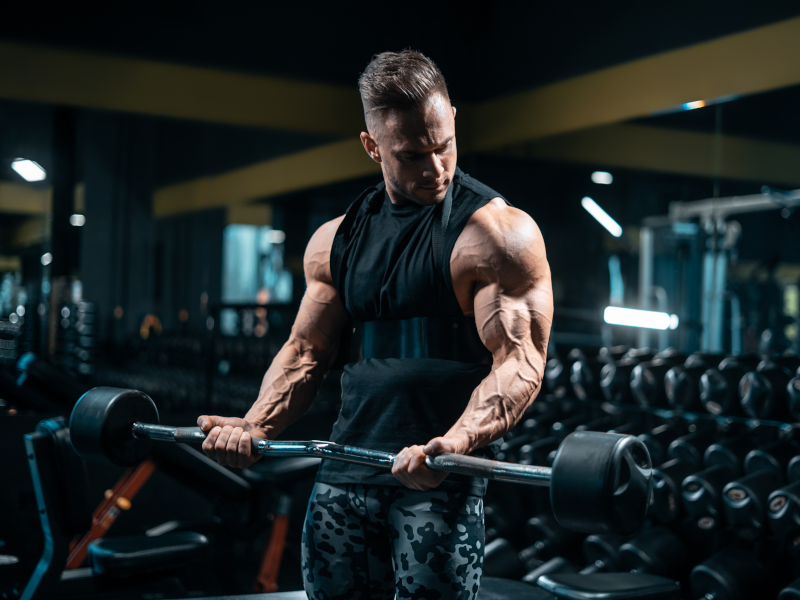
516,329
499,401
287,390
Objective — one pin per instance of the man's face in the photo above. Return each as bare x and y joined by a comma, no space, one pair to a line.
416,150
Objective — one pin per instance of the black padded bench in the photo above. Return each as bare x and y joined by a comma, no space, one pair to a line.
610,586
61,482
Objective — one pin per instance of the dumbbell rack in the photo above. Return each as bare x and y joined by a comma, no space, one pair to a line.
668,414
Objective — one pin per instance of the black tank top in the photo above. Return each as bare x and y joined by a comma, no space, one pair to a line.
390,262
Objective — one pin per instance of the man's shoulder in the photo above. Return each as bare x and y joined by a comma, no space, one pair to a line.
316,261
500,223
478,187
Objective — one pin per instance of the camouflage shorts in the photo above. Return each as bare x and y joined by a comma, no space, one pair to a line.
363,542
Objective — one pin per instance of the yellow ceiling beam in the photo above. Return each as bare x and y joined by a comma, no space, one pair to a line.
670,151
250,214
753,61
18,198
10,264
57,76
331,163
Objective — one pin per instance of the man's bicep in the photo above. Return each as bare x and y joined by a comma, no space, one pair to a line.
320,319
514,310
322,315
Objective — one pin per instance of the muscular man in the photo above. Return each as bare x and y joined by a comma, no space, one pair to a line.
435,294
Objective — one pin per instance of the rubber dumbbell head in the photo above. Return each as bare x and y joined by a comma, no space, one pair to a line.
732,574
783,514
656,550
745,503
701,494
665,502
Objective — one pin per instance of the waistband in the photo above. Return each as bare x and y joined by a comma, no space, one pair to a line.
447,338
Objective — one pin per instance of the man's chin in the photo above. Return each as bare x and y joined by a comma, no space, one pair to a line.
428,197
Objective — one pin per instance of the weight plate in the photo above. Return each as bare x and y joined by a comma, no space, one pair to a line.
601,483
100,426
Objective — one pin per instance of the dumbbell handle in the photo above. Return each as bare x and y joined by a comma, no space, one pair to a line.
452,463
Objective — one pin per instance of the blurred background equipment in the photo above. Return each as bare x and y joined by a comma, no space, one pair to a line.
162,169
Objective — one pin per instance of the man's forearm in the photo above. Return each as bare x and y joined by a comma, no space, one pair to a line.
288,389
498,402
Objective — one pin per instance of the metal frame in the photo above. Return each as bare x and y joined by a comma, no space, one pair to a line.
723,235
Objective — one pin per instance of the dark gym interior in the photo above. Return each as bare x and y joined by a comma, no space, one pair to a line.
163,166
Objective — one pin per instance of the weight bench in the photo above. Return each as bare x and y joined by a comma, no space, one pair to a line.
610,586
142,562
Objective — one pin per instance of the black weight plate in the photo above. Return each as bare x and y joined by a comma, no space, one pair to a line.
100,425
601,483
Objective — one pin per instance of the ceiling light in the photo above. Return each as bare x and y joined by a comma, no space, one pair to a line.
631,317
28,169
602,216
602,177
77,220
693,105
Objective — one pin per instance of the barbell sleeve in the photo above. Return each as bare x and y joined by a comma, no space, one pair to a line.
490,469
452,463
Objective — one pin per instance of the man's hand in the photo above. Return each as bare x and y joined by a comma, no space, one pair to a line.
410,468
229,440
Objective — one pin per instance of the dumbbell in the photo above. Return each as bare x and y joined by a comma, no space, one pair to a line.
647,379
656,550
779,456
719,387
600,552
540,416
500,560
681,381
783,515
721,461
659,439
701,495
745,502
545,539
557,370
665,501
599,482
585,372
732,574
731,452
615,377
541,452
564,427
763,393
691,447
495,523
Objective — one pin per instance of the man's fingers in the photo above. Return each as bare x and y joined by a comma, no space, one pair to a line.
222,444
244,451
210,442
232,447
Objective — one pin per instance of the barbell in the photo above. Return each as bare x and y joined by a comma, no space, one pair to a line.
599,482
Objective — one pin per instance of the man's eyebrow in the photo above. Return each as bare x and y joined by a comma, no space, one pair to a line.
410,151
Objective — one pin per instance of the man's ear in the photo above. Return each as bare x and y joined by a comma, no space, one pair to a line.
370,146
454,111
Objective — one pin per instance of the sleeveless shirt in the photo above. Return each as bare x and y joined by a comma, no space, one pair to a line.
384,267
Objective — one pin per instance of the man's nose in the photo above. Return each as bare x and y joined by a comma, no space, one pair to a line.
433,166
